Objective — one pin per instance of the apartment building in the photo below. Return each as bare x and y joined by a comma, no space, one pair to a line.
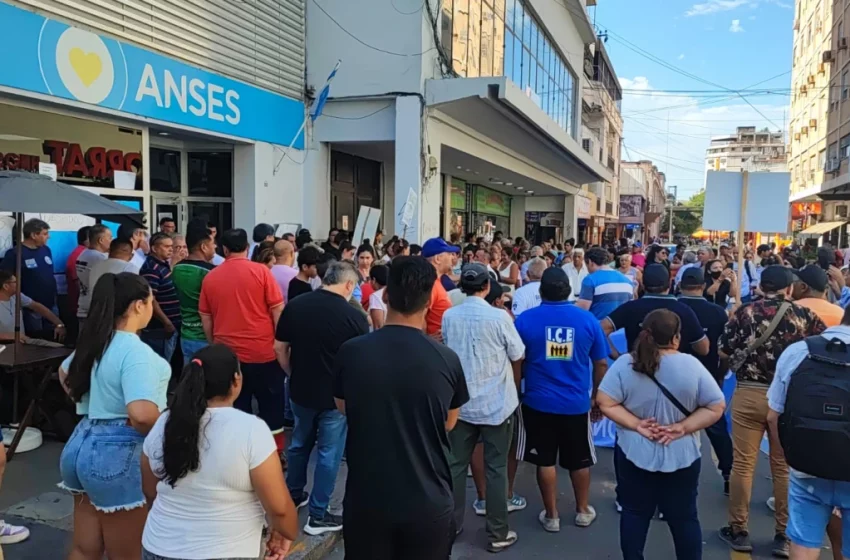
643,193
747,149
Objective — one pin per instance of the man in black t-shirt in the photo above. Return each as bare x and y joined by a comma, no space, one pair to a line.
311,330
308,259
398,496
712,318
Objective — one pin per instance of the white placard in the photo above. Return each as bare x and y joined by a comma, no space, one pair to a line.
281,229
48,169
409,209
767,202
62,222
367,224
125,180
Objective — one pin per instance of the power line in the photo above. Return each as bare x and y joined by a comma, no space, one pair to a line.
687,169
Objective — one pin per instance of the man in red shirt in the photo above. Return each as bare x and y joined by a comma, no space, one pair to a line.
240,305
439,253
71,277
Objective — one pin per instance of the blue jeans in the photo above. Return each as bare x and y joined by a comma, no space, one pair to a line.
161,343
327,430
721,441
190,348
810,505
640,492
287,404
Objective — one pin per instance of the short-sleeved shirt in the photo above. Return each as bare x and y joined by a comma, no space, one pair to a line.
829,313
712,318
158,275
7,314
525,298
396,408
85,265
682,375
639,259
188,277
561,343
376,302
37,278
283,275
128,371
606,290
315,325
296,288
630,316
71,277
239,295
486,341
440,302
747,325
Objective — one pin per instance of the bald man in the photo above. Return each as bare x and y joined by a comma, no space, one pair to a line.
284,268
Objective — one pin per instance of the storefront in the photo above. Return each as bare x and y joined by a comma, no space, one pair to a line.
544,226
474,208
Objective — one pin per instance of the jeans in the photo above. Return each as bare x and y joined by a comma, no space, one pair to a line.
161,343
190,348
749,424
811,502
287,404
640,492
327,430
721,442
497,445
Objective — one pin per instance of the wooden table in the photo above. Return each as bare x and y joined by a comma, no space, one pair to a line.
20,360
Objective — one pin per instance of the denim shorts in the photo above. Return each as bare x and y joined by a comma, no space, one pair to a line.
811,502
103,460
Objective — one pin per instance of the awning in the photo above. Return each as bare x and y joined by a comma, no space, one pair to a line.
821,228
650,217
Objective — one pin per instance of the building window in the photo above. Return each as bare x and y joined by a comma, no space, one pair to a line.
833,152
845,147
211,174
844,85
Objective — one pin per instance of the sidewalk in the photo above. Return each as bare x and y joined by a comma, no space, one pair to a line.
29,497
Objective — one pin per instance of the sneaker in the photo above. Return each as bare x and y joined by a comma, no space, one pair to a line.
549,524
737,540
300,499
11,534
584,519
499,546
726,485
780,548
330,523
480,507
516,503
771,504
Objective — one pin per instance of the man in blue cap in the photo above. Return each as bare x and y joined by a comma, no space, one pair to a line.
439,253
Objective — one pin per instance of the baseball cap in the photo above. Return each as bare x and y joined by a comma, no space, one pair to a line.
777,277
495,292
554,276
474,275
656,276
436,246
638,244
693,277
814,277
724,245
762,248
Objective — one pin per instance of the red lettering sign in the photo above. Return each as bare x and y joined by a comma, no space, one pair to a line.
96,163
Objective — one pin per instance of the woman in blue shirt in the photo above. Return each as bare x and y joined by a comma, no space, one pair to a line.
119,384
658,447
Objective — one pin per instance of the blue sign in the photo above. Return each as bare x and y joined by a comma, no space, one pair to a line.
50,57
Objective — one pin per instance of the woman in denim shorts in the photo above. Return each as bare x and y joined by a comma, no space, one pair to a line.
119,384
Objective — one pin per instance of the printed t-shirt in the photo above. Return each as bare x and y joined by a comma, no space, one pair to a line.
85,265
188,277
37,279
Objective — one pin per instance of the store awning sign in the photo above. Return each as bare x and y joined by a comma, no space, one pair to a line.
52,58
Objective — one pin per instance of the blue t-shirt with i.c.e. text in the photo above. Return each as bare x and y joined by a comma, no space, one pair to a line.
606,290
561,343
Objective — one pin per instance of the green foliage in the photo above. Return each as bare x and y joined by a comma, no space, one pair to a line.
686,223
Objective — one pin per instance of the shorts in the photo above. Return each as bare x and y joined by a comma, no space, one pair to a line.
562,438
103,460
811,502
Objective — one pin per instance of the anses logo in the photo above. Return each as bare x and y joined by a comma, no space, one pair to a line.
80,65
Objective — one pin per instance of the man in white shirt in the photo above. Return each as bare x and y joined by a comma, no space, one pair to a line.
100,238
120,260
534,253
576,271
528,296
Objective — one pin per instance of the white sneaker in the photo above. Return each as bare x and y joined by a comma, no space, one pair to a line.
584,519
499,546
771,503
11,534
549,524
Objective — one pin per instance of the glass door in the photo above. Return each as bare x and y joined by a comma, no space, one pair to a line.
166,207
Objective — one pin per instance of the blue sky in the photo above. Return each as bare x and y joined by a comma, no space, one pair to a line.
732,43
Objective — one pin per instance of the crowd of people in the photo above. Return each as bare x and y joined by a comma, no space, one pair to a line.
208,367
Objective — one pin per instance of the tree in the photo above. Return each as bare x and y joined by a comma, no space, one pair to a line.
684,222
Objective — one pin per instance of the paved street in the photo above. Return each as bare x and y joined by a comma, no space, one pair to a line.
600,541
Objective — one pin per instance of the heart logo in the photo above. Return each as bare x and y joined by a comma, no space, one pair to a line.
87,66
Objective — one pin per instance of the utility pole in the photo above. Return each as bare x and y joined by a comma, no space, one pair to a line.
670,205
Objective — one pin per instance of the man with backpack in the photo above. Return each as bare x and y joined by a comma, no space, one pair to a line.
809,417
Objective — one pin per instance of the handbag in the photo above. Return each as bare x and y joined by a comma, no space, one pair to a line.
670,397
736,361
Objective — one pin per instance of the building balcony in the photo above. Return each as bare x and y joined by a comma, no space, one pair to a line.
611,164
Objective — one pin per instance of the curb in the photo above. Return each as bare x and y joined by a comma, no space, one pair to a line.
314,548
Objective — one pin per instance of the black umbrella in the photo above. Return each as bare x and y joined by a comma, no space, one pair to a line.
30,192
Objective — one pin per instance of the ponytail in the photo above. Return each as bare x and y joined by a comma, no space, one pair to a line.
209,375
660,328
112,296
646,357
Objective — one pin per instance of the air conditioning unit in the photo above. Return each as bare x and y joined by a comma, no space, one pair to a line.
803,89
813,123
821,68
842,43
804,130
796,25
796,136
827,56
840,211
811,79
587,145
832,165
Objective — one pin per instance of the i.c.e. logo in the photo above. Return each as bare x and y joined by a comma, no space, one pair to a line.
559,343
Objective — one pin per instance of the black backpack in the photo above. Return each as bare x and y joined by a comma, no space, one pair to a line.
815,428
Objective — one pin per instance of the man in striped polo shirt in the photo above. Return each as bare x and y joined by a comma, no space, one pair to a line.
604,289
161,332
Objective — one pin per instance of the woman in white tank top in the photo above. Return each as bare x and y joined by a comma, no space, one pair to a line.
508,273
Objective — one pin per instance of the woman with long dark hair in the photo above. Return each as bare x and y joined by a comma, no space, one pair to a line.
720,283
119,384
658,254
660,399
213,472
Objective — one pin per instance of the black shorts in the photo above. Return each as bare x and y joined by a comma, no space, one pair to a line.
565,439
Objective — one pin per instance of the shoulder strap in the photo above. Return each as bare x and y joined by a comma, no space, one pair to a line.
780,313
671,397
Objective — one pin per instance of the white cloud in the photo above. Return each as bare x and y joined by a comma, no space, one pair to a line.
681,57
715,6
736,26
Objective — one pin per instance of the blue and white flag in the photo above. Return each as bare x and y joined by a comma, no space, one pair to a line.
319,103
